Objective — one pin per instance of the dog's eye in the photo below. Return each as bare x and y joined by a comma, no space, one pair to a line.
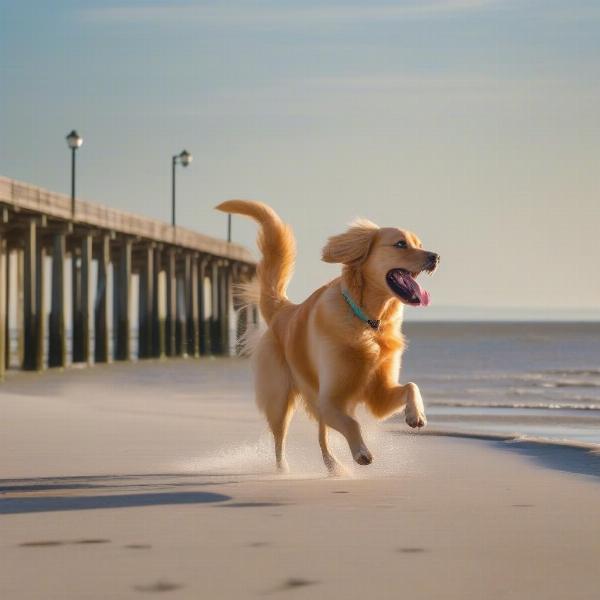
401,244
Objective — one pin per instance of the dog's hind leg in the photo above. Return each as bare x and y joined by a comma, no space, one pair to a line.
350,429
279,415
275,395
333,466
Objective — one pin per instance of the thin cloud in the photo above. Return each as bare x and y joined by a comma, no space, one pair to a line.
385,95
276,13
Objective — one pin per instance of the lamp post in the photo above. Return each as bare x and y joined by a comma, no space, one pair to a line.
74,141
185,158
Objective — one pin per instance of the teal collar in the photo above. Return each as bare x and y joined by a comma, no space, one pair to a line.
373,323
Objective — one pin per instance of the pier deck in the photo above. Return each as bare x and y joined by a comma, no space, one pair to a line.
184,283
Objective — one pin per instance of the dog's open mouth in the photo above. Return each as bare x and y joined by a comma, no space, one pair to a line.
404,285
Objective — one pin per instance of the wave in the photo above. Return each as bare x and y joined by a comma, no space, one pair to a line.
525,392
540,378
571,384
528,405
568,372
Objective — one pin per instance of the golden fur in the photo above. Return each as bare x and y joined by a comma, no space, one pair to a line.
319,350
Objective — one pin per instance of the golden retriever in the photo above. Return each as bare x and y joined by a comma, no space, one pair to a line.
342,346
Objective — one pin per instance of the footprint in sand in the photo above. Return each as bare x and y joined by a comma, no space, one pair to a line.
158,586
291,584
259,544
41,544
48,543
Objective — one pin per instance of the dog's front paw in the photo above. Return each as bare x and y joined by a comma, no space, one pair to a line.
415,418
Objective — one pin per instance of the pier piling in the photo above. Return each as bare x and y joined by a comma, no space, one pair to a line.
101,348
3,298
122,299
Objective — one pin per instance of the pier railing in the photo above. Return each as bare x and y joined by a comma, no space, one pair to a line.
183,281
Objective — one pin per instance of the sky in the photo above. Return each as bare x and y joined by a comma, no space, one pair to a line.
474,123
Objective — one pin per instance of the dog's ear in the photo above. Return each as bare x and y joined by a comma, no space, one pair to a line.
351,247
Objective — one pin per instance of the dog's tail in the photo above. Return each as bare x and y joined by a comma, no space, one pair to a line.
278,248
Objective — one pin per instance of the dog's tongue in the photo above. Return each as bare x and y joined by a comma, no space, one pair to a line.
421,296
424,294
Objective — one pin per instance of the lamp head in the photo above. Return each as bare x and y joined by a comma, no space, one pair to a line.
74,140
185,158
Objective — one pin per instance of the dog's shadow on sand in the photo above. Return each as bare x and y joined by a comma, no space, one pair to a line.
18,496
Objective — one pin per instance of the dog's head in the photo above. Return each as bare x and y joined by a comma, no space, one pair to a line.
387,259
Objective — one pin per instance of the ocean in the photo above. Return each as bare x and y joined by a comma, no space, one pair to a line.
528,380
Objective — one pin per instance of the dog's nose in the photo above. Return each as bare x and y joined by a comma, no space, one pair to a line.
433,260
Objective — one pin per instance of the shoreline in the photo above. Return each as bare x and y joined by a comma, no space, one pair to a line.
513,438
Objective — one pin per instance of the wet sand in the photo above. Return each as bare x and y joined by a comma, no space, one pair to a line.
125,481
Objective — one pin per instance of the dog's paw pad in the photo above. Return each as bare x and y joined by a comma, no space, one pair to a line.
364,457
416,421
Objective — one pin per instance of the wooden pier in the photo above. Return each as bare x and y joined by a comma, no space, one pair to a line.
95,256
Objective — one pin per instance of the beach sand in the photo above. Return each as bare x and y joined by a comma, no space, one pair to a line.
129,480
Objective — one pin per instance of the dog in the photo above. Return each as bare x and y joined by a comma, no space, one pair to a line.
342,346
